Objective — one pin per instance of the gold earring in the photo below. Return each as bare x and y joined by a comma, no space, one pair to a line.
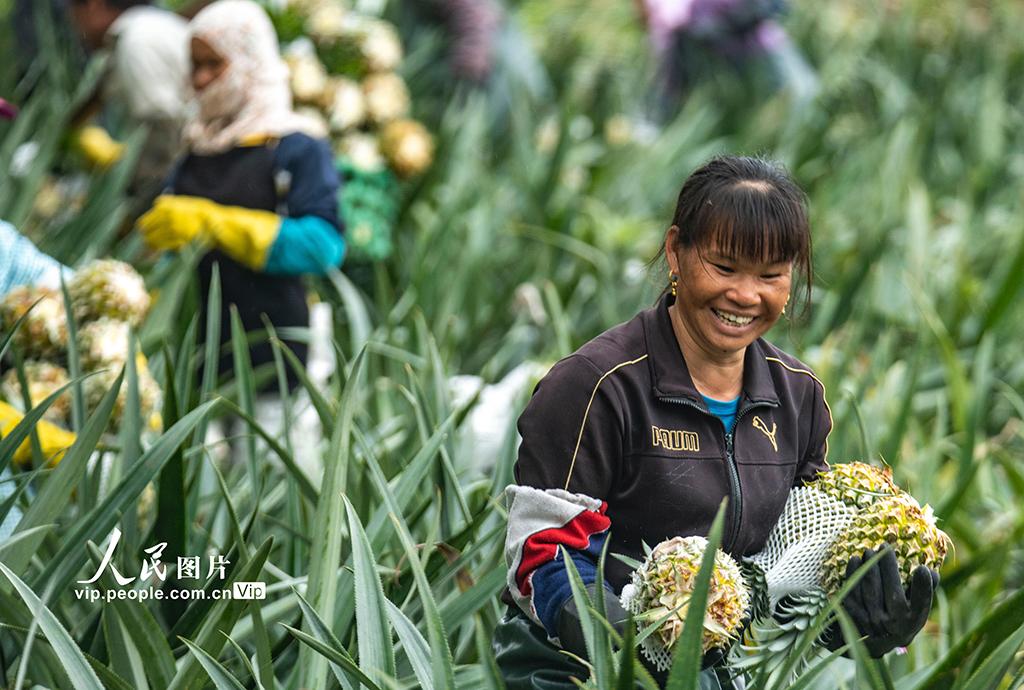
673,281
784,306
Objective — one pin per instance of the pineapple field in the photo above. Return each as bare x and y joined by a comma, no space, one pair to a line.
496,225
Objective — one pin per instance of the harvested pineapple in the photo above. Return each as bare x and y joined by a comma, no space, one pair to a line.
408,147
108,288
898,521
44,333
844,512
664,585
103,343
44,379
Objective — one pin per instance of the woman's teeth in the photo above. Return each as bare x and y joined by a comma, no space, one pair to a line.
733,320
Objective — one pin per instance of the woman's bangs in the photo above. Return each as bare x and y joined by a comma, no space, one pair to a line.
754,226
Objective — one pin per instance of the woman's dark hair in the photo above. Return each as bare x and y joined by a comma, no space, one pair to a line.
752,207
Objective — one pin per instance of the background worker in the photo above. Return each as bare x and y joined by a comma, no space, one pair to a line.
257,186
146,78
695,41
21,263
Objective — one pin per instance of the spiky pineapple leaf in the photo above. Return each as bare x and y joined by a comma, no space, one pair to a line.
71,657
688,655
373,631
444,673
223,616
334,656
110,680
414,644
146,633
240,653
323,634
220,676
322,585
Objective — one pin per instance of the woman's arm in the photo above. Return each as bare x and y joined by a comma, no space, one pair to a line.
570,455
303,236
310,237
814,459
21,263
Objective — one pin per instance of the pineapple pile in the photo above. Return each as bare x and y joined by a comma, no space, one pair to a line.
663,585
108,298
44,333
343,75
845,511
44,379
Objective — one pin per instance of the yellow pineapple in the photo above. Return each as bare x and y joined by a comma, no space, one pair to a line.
898,521
857,484
664,583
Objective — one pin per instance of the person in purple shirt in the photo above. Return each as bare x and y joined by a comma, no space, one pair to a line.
691,39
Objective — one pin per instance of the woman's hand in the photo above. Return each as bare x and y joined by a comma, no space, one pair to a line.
174,221
886,615
246,235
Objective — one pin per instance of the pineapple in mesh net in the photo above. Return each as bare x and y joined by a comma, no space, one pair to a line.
895,520
845,511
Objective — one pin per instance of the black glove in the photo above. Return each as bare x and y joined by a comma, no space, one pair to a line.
570,628
885,615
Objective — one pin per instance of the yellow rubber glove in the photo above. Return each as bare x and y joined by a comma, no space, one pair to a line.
244,234
98,148
52,438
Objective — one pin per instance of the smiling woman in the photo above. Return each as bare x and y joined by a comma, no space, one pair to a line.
639,435
739,227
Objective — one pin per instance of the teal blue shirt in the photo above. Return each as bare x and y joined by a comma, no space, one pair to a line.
724,410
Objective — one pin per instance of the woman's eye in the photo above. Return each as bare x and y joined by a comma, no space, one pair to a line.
771,276
723,269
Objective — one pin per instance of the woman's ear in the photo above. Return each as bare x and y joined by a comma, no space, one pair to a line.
671,247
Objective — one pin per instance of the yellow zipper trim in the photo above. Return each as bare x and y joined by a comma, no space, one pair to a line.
824,398
584,425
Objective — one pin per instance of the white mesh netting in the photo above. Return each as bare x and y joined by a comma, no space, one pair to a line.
796,547
651,647
791,558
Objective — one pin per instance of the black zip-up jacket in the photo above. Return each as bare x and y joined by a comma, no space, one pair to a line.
621,421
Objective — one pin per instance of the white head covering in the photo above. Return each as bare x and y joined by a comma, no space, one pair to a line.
252,95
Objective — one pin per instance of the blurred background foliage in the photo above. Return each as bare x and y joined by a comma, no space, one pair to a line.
530,235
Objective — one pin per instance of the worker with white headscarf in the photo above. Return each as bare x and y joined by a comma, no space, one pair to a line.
257,185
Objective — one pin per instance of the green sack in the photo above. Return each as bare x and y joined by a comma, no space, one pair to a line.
368,205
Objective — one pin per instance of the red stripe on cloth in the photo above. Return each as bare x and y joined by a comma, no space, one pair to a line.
543,546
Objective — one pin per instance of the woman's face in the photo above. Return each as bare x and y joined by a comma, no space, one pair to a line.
724,302
207,64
